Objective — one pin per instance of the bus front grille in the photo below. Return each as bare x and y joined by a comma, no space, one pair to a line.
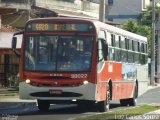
63,94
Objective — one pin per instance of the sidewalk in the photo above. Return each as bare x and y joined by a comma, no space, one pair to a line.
153,86
9,99
154,115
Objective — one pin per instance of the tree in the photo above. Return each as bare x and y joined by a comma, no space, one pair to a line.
143,24
144,30
130,25
145,17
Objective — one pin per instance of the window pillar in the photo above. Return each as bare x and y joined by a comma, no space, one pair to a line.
0,22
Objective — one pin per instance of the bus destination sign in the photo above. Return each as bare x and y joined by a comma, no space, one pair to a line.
37,26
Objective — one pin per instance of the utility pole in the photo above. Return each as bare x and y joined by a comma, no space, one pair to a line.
0,22
152,78
29,9
102,11
0,19
158,51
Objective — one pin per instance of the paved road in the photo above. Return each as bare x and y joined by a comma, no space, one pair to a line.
68,112
152,96
56,112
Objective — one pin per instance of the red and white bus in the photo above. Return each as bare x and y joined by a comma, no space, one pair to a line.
79,60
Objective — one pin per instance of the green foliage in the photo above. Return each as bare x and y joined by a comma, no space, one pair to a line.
143,25
145,18
130,25
144,30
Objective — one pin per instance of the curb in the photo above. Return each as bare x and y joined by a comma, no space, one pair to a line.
156,112
153,115
150,87
12,103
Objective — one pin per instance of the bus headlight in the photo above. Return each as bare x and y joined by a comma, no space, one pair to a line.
85,82
28,81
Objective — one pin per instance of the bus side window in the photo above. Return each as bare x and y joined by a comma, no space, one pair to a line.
124,56
130,57
130,45
111,50
146,56
123,45
145,48
135,46
143,56
142,47
118,55
109,38
102,50
117,41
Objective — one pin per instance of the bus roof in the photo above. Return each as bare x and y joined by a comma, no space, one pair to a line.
99,25
120,31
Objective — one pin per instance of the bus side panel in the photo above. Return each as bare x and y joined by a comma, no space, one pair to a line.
107,71
122,90
101,92
110,71
125,87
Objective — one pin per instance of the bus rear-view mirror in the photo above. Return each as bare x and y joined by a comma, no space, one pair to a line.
14,43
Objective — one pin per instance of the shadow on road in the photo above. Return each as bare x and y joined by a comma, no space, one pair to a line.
64,109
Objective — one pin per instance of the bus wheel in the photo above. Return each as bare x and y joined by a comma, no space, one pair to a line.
104,105
86,105
43,105
124,102
133,101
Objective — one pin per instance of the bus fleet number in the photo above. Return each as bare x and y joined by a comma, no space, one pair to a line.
78,75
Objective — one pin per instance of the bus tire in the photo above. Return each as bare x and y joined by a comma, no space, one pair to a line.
43,105
124,102
86,105
105,105
133,101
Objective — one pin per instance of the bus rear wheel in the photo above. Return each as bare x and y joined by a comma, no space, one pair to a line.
124,102
43,105
130,101
105,105
133,101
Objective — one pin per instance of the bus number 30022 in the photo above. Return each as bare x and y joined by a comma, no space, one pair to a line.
79,76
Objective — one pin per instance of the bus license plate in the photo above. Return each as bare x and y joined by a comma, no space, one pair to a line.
55,91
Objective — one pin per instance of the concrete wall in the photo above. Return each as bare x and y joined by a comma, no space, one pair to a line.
122,10
14,5
85,7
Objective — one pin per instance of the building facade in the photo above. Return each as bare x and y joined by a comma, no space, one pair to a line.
16,13
71,8
9,62
121,10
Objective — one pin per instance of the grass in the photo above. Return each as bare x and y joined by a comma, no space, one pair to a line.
9,92
119,114
8,95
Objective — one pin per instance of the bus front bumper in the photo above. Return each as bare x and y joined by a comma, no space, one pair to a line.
82,92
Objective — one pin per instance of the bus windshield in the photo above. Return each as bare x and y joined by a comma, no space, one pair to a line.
58,53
